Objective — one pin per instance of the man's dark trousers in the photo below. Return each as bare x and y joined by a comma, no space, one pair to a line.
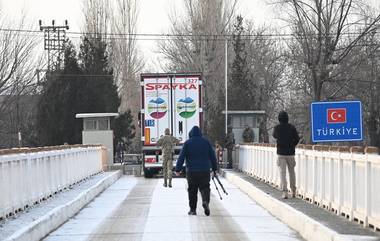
198,180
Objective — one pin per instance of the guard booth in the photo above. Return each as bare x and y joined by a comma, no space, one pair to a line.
238,120
97,130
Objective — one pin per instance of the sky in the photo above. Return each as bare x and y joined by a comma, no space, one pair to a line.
153,15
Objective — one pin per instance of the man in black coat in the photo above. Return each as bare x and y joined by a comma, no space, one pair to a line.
287,139
200,160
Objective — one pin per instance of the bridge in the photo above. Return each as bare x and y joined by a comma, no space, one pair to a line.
68,193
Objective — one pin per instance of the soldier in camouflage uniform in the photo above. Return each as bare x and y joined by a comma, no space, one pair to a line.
167,143
248,134
230,143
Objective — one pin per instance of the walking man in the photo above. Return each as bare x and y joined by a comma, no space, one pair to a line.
167,143
200,159
287,139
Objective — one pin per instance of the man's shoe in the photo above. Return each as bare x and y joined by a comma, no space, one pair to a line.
294,194
285,195
192,213
206,208
165,185
170,185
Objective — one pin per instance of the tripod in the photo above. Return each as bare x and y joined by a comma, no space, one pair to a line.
221,185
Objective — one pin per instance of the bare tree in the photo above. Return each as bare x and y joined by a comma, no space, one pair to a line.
17,76
326,32
268,63
97,18
326,35
198,46
127,61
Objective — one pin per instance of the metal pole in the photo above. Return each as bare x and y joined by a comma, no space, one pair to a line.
226,78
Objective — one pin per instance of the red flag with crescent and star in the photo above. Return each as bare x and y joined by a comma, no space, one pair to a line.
336,115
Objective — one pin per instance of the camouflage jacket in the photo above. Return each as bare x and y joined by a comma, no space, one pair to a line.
248,135
167,143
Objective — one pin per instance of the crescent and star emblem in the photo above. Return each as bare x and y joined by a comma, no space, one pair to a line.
335,116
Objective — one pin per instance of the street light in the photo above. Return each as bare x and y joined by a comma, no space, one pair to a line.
226,78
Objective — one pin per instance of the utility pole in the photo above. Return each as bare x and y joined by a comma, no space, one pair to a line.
226,80
54,39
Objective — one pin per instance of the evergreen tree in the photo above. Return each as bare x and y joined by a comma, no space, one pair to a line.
56,123
123,128
240,95
48,113
87,87
101,93
72,96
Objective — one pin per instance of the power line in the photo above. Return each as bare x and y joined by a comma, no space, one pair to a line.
167,36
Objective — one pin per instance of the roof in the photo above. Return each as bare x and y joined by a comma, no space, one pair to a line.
92,115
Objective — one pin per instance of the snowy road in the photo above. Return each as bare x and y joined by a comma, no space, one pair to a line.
141,209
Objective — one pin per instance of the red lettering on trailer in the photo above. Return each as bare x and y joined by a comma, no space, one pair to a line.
158,86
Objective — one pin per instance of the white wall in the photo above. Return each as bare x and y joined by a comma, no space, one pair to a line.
100,137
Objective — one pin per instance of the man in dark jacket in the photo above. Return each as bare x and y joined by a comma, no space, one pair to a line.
200,159
287,138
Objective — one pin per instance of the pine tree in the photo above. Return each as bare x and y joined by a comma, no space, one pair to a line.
56,123
101,92
123,128
240,94
87,87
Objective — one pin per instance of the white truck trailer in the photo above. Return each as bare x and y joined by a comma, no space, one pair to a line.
171,101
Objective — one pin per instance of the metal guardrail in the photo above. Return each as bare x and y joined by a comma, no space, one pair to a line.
128,159
28,176
343,180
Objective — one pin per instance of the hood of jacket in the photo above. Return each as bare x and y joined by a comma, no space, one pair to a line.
283,117
195,131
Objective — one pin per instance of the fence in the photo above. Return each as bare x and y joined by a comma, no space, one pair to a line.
28,176
341,179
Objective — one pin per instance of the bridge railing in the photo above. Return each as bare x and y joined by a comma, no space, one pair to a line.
341,179
28,176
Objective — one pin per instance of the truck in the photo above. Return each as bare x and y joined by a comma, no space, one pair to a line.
168,100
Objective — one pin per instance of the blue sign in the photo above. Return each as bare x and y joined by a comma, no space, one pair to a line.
149,123
336,121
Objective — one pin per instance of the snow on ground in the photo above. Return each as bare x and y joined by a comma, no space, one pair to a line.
142,209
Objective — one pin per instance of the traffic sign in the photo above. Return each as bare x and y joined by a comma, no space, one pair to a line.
336,121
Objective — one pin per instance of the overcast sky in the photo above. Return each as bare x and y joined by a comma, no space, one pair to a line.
153,17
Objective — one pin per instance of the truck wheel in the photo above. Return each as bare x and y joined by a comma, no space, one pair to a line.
148,174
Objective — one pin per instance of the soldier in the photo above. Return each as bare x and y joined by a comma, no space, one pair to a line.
167,143
248,134
230,143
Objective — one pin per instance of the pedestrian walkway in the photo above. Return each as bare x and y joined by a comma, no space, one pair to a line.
300,214
141,209
36,214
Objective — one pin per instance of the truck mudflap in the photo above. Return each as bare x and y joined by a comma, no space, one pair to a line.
153,165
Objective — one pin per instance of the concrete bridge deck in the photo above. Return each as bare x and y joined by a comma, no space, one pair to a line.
141,209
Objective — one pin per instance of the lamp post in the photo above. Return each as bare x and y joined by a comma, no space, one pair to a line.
226,79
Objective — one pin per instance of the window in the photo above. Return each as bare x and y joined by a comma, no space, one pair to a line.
103,124
90,124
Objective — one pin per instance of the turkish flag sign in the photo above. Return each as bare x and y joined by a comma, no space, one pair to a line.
336,115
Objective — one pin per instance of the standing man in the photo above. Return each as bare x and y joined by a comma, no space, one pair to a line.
200,159
167,143
248,134
230,143
287,139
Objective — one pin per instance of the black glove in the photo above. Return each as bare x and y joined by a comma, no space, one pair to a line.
214,173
